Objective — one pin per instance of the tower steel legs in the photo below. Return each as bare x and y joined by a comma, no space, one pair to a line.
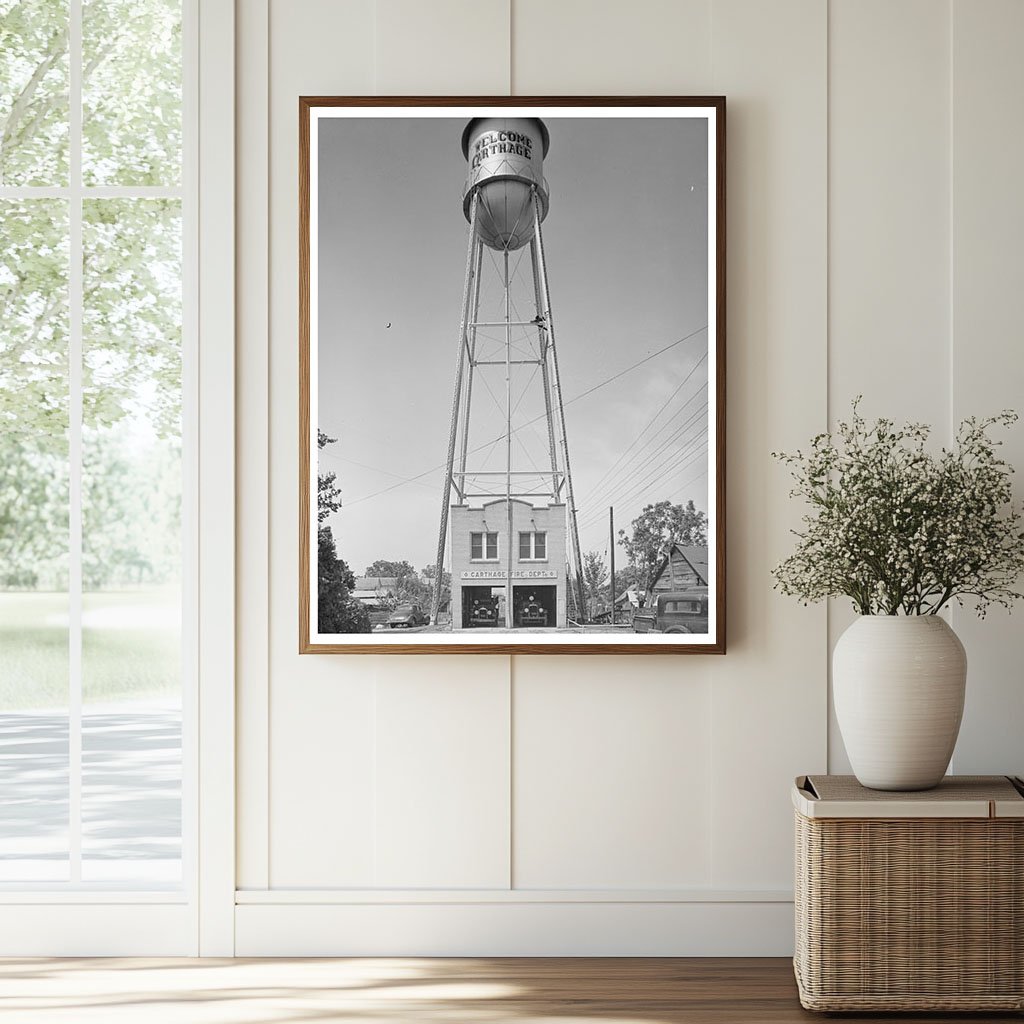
545,314
460,362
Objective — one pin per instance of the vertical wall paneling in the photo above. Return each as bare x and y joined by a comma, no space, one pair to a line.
441,48
216,712
252,591
442,752
633,805
599,801
325,731
442,773
446,823
612,765
889,223
321,708
323,761
769,692
607,48
988,332
888,332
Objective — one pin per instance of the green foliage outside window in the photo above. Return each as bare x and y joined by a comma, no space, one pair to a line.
131,347
131,302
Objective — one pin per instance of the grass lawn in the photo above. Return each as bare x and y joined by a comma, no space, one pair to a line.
130,647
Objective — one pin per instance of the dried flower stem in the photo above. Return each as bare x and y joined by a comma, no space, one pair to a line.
897,529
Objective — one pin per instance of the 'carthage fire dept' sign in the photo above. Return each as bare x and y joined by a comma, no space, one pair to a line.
501,574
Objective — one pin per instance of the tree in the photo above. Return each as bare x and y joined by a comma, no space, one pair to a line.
337,611
33,94
625,578
413,590
384,567
429,573
131,88
131,293
131,512
409,588
131,380
33,515
328,494
595,575
131,93
655,530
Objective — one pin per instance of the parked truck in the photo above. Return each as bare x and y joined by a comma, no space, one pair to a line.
674,611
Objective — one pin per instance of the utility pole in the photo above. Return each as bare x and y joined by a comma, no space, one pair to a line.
611,535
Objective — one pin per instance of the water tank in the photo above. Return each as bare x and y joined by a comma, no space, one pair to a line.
505,157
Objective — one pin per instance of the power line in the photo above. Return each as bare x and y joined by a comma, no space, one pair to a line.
694,455
632,470
577,398
593,524
661,474
652,420
376,469
627,487
695,448
646,359
673,445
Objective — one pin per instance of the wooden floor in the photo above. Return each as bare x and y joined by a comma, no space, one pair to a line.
382,991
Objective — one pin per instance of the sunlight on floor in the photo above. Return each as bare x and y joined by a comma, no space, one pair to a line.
144,991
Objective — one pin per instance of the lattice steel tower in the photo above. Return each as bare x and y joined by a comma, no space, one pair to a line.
505,199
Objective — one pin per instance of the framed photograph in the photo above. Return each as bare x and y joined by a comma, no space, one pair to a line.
512,375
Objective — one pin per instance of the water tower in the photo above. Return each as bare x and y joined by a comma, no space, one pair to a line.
529,546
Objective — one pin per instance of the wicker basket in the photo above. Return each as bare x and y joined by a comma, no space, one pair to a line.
910,901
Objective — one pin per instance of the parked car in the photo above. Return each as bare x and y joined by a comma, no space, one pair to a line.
675,611
405,616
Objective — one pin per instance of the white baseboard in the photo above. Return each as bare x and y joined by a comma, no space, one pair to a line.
97,929
520,928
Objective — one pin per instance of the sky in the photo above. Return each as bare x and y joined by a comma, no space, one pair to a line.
625,242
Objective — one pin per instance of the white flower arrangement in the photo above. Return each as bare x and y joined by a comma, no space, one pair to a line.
900,530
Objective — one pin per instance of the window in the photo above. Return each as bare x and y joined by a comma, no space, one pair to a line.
93,483
533,547
483,547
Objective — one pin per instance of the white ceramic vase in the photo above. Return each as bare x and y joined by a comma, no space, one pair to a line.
898,684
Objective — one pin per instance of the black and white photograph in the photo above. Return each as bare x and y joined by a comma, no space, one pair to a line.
512,375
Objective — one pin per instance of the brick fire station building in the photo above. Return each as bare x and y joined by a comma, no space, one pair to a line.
480,568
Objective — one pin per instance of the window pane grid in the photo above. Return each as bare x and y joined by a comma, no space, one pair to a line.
91,380
483,546
533,546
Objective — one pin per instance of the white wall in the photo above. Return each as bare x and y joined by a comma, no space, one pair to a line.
626,805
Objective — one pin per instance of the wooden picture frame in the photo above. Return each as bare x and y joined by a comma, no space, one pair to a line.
637,290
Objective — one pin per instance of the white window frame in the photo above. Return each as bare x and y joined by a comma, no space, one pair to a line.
75,918
533,556
483,535
75,194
